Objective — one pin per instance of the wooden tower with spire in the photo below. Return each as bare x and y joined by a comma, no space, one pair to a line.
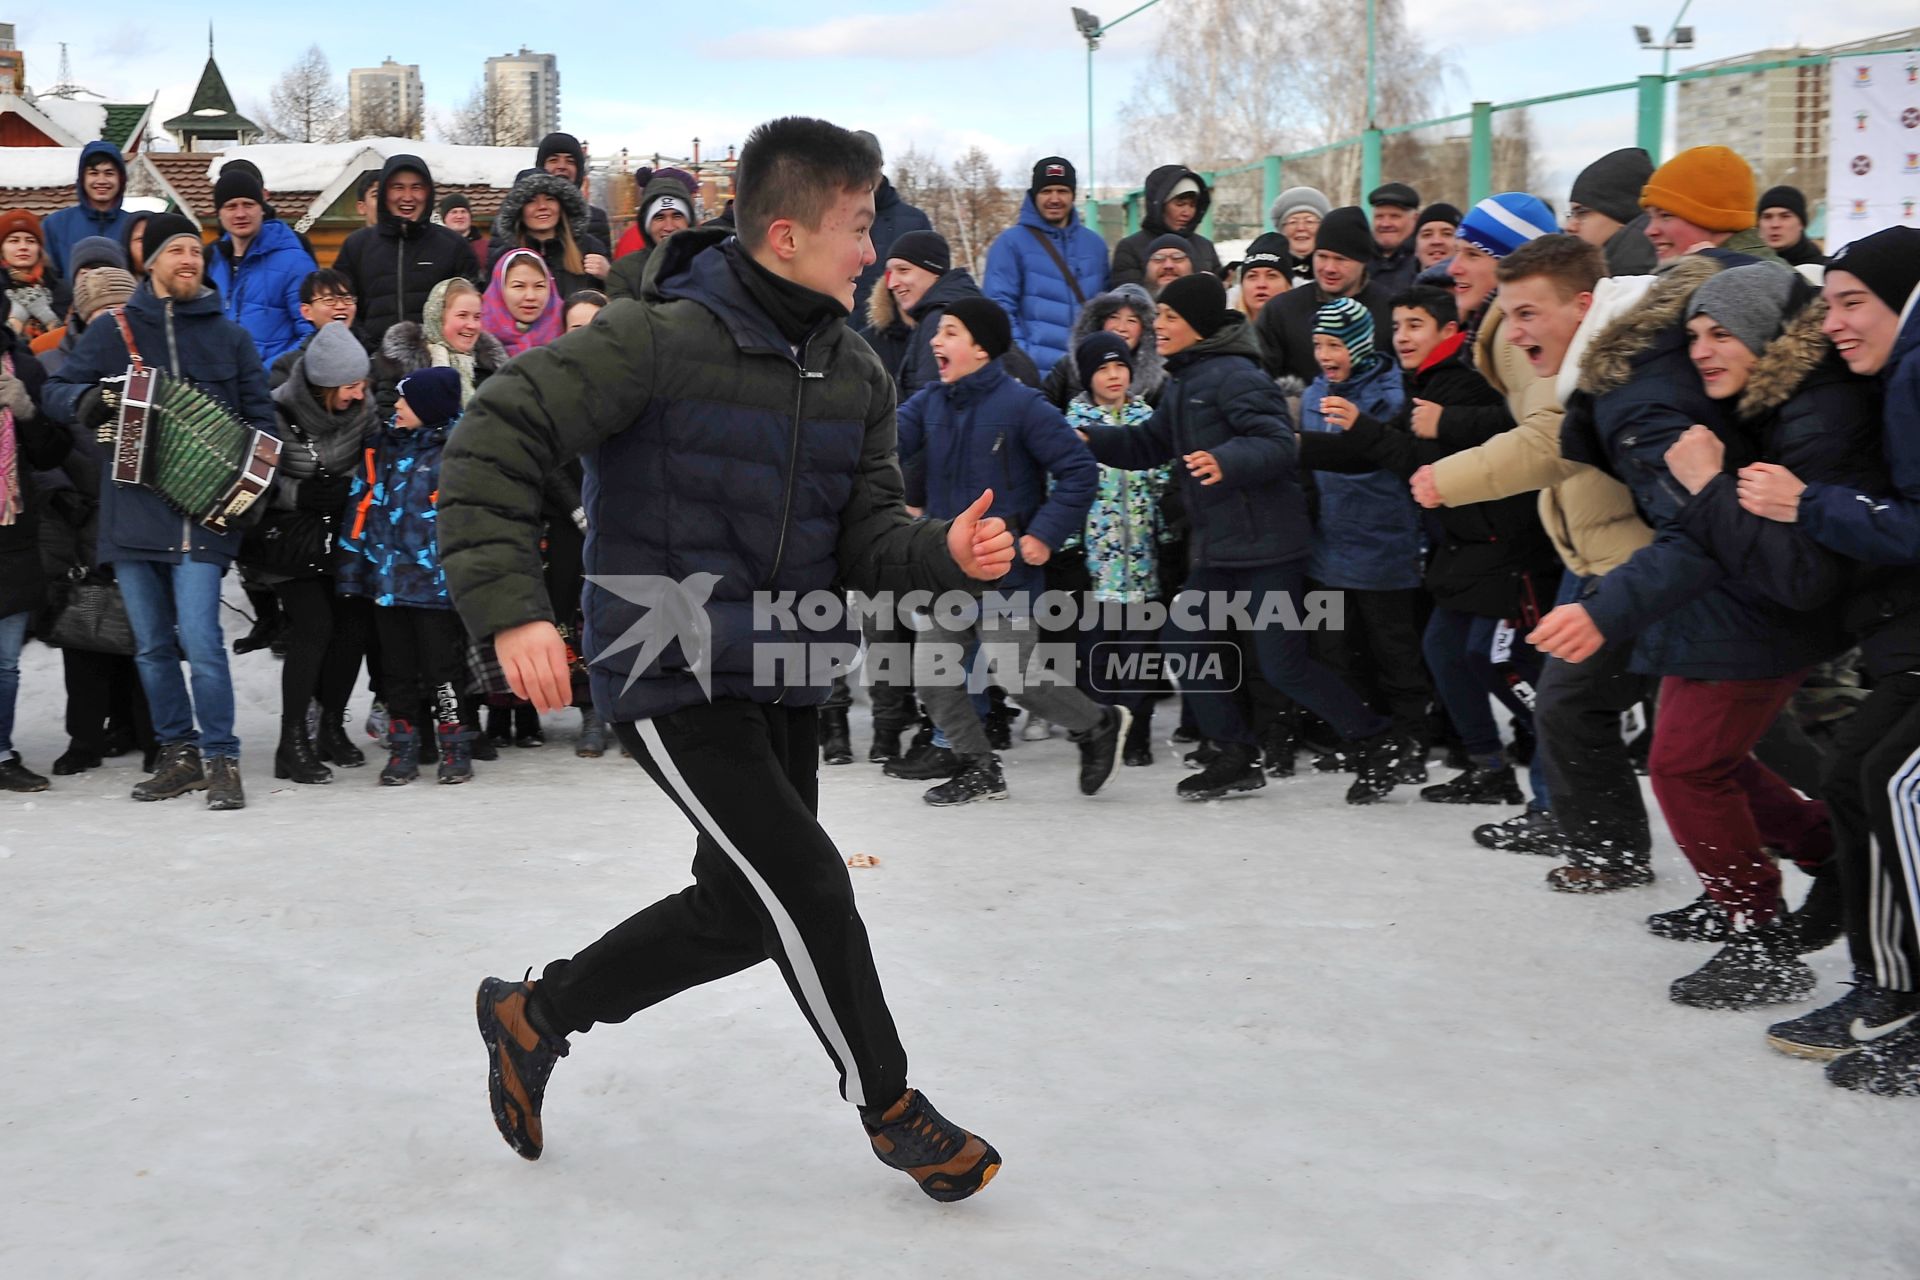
212,122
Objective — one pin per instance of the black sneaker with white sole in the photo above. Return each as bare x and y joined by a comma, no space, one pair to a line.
1232,769
1866,1014
979,779
1888,1067
1100,748
1529,831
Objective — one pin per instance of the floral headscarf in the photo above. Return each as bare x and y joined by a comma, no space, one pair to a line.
499,319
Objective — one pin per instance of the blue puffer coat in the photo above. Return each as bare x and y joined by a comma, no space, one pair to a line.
1368,534
261,292
194,341
67,228
1022,277
986,431
389,548
1218,400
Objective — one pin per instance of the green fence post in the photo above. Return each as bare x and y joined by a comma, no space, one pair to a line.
1653,115
1369,161
1132,207
1206,223
1269,188
1480,154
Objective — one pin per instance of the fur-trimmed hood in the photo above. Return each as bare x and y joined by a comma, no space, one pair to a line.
882,311
573,206
1149,366
406,345
1608,360
1787,362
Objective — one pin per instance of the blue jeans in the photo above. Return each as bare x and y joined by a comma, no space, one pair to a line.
13,637
175,612
1459,652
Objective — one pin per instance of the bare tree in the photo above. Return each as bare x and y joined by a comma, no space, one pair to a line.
1234,80
308,104
487,120
389,121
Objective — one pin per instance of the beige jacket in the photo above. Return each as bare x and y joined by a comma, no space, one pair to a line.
1588,514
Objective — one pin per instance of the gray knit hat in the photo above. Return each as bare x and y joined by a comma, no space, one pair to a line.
335,357
1295,200
1748,302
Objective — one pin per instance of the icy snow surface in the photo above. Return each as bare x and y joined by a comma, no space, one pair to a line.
1271,1037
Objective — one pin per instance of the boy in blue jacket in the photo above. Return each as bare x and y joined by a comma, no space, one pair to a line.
1227,423
979,429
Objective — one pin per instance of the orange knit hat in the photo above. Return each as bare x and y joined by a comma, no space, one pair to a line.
20,220
1711,187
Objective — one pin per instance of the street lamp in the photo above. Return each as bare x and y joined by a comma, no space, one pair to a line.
1677,37
1091,29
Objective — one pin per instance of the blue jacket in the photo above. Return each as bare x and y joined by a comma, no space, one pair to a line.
1367,537
1218,400
918,368
987,431
261,293
1022,277
892,218
1689,616
62,230
389,547
191,340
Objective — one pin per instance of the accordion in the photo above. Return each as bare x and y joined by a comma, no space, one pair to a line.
175,439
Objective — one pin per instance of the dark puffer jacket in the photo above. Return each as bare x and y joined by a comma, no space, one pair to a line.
885,330
509,231
566,144
986,431
43,444
394,264
1149,367
892,218
1638,393
1218,400
261,292
624,280
1130,255
339,439
711,448
192,340
919,369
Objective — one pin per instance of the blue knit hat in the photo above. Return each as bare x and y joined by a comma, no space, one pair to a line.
1500,224
433,395
1351,323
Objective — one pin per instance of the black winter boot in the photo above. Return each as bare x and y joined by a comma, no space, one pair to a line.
15,776
1478,785
1818,917
335,745
403,755
1760,965
295,760
1137,751
1889,1068
1701,920
979,778
1378,763
886,746
1530,831
999,719
456,753
1100,748
836,742
1277,746
1233,769
924,763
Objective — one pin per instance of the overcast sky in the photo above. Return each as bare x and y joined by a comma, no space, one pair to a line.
1007,74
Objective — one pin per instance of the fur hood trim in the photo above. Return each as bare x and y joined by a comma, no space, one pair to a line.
573,206
1787,362
1149,366
1608,362
406,345
882,311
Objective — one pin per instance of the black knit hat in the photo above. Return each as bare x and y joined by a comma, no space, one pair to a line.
927,250
1200,300
1097,349
1347,232
1170,240
1395,195
1612,184
1438,212
1788,198
160,228
1268,250
1887,262
1053,171
237,184
455,201
986,322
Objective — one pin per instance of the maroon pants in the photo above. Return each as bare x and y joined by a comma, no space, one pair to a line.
1723,806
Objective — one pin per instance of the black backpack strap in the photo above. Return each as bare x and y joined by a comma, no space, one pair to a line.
1053,251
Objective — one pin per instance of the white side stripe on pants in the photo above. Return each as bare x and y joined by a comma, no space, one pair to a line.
805,976
1903,795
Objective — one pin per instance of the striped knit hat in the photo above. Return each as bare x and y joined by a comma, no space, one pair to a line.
1500,224
1351,323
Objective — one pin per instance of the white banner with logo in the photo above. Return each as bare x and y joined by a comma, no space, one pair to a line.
1873,156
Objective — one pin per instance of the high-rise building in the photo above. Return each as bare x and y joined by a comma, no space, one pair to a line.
387,101
1776,119
13,63
523,97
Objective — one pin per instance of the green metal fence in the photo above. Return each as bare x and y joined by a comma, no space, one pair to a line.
1651,121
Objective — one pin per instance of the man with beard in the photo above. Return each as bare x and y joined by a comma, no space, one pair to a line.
170,566
1343,246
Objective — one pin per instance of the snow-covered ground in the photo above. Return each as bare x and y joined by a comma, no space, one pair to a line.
1272,1037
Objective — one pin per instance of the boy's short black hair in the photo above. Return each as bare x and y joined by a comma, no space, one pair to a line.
367,181
325,280
1435,301
1574,266
795,168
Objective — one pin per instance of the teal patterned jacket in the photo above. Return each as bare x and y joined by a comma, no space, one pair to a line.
1124,530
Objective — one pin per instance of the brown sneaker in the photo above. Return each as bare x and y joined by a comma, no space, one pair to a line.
177,771
519,1060
1578,879
948,1162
